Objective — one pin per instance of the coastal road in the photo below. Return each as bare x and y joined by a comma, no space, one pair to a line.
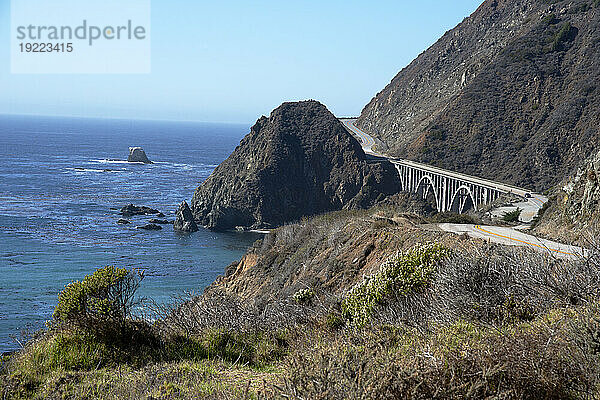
529,208
366,141
496,234
531,202
511,237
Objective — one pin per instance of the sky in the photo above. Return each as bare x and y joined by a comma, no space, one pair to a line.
233,61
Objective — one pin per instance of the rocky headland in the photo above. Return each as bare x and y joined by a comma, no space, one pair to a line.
300,161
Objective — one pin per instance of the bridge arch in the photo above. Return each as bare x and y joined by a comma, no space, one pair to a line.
429,180
400,172
469,194
402,183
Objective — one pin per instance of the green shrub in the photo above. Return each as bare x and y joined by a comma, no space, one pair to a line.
105,295
561,36
549,19
454,218
436,133
304,296
408,273
334,321
512,216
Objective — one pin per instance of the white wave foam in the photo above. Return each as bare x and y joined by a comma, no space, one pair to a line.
91,170
109,161
167,163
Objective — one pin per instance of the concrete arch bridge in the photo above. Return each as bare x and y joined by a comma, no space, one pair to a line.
448,190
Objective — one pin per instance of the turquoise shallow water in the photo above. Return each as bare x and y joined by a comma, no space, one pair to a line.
61,186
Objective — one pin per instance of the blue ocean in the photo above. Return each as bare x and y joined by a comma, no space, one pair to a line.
62,183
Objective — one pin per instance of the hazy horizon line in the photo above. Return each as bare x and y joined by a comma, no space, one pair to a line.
123,118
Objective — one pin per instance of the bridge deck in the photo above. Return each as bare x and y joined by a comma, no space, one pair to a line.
464,177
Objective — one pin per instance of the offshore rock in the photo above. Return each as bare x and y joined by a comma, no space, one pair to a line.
138,155
184,221
159,221
150,227
130,210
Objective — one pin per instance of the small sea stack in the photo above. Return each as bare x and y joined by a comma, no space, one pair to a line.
185,219
138,155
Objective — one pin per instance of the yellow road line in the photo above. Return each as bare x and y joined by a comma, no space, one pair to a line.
478,227
539,201
354,129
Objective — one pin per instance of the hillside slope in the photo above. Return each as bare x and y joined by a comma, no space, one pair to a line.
328,253
511,94
573,213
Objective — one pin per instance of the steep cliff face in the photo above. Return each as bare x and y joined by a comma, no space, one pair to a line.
510,94
575,209
298,162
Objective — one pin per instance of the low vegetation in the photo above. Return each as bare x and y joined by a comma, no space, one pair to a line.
460,320
561,36
454,218
512,216
406,274
93,335
104,297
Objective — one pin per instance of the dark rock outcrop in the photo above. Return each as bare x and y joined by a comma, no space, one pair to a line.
123,221
159,221
184,221
150,227
130,210
138,155
510,94
298,162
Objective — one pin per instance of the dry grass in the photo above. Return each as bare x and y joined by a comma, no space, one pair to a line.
496,322
458,361
175,380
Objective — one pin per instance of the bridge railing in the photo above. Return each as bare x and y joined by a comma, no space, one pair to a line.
467,178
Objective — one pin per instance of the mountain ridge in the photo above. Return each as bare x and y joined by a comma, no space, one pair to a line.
509,94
